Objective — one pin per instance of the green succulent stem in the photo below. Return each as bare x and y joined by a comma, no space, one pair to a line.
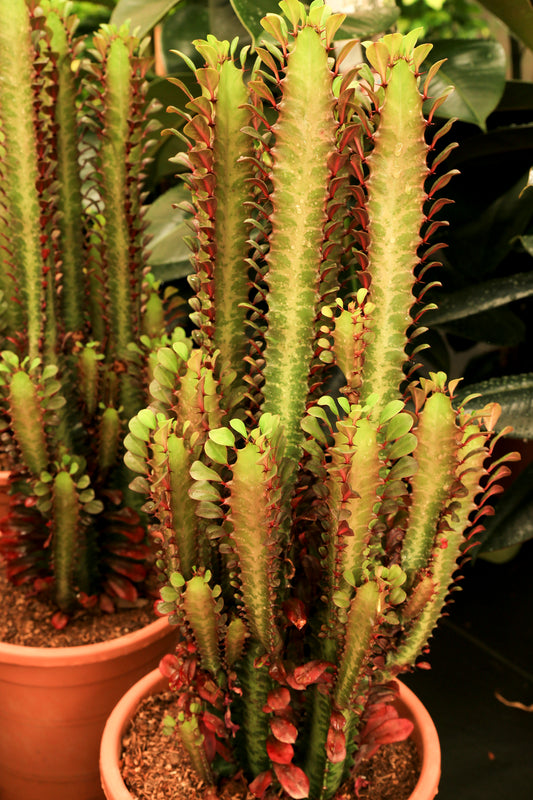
233,170
305,138
396,198
252,524
65,538
20,173
361,623
199,605
255,726
27,421
69,181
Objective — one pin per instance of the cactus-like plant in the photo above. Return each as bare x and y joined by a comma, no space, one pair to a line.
307,543
80,316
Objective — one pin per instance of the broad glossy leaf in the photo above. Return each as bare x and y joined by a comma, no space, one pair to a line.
516,14
476,69
512,522
142,14
365,19
482,297
484,224
195,19
250,13
499,327
515,395
167,226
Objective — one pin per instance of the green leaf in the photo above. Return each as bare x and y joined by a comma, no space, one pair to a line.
392,408
403,446
239,426
476,69
177,580
147,417
141,14
222,436
515,395
216,452
201,472
204,491
168,594
399,426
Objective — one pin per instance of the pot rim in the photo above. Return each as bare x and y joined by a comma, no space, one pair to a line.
20,654
426,738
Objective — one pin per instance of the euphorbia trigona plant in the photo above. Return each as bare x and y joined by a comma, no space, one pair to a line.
307,543
79,318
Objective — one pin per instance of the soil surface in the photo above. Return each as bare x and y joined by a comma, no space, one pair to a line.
25,619
155,767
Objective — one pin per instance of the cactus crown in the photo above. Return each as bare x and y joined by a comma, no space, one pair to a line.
80,317
308,542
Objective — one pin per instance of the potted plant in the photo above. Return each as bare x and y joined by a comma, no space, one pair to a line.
308,542
79,321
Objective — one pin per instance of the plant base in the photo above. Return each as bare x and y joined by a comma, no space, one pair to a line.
424,735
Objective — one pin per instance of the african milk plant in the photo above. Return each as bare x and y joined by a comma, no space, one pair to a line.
80,316
307,542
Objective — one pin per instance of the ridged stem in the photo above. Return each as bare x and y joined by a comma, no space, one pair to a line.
395,214
20,172
305,138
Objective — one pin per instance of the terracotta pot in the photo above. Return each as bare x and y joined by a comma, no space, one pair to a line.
4,497
54,703
424,735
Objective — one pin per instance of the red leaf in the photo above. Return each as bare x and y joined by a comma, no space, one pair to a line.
295,612
309,673
135,572
391,730
336,746
88,601
138,552
278,699
279,752
214,723
224,752
260,784
135,535
106,604
293,780
283,730
168,665
120,587
59,620
210,744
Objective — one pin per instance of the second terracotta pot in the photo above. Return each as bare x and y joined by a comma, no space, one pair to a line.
424,735
54,703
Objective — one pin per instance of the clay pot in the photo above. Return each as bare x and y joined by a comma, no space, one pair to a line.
4,496
424,735
54,703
